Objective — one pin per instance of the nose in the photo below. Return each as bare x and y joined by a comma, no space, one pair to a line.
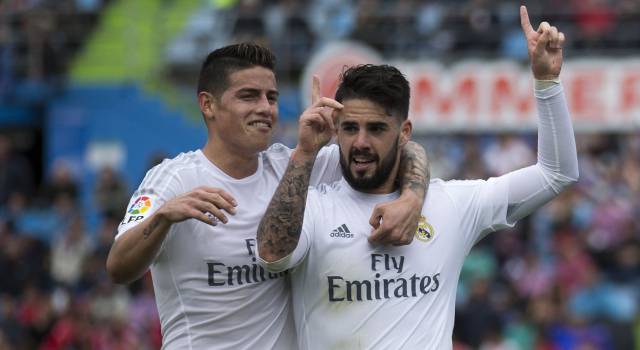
362,140
264,106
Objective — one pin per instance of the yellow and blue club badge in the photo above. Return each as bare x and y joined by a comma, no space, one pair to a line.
425,231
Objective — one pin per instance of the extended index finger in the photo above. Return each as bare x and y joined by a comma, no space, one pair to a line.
315,90
524,21
328,102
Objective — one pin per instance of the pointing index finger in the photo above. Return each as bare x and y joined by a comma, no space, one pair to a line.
524,21
329,102
315,90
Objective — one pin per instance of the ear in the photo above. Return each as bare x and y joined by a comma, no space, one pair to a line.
405,132
207,104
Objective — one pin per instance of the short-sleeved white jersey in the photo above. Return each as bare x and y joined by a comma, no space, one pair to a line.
210,292
350,294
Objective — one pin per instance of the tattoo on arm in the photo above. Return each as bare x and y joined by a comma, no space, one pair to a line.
147,231
414,172
280,227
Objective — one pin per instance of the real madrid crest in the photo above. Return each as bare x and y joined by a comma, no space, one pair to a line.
425,231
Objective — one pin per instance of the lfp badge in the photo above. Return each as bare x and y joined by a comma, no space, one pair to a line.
140,206
425,231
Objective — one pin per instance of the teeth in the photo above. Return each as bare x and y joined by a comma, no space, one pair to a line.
260,124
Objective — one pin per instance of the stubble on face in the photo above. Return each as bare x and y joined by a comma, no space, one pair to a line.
362,182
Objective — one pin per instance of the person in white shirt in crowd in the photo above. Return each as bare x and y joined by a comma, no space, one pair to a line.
506,154
351,294
192,221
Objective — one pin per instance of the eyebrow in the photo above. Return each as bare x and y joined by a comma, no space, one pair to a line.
369,124
257,91
377,124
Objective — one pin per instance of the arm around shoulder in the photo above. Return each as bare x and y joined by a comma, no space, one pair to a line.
396,222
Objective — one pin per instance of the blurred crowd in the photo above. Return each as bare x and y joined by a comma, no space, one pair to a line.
568,276
38,40
425,29
54,290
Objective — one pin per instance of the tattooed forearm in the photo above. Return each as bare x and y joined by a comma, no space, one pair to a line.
280,227
414,169
152,226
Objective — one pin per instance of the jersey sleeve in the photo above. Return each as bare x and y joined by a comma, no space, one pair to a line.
326,168
304,243
482,206
159,185
500,202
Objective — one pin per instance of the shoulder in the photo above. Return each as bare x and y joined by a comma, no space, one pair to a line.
326,192
473,190
456,184
456,187
276,157
171,170
280,151
277,151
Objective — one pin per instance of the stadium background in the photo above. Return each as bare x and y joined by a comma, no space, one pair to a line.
95,92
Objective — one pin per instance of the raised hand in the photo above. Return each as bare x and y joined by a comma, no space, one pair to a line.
544,46
316,123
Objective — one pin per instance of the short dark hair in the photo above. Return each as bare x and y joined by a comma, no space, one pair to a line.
221,63
382,84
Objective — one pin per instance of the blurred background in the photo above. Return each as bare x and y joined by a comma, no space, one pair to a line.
95,92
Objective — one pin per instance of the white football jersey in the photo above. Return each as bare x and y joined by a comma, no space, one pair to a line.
210,292
350,294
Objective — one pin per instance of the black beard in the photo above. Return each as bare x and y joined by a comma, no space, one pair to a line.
380,175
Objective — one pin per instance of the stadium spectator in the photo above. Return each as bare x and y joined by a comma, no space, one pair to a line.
508,154
61,183
69,253
6,59
110,193
15,172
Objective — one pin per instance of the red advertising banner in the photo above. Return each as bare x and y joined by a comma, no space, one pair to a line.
474,95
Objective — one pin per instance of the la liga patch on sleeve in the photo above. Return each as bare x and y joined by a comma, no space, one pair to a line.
139,208
141,205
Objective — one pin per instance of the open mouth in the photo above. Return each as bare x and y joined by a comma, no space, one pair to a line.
260,124
361,163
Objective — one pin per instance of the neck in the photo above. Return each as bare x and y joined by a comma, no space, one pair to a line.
388,187
231,163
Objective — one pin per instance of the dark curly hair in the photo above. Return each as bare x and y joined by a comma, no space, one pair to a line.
382,84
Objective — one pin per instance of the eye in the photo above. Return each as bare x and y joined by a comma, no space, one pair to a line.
376,129
348,128
273,99
247,97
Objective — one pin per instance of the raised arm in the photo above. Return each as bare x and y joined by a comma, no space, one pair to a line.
281,225
557,165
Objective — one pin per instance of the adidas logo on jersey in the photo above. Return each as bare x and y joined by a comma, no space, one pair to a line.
341,232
